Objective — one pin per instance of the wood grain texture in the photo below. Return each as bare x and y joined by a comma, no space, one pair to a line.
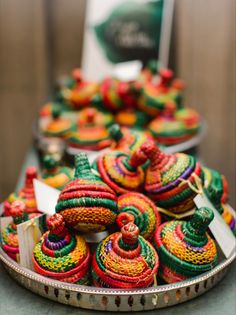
23,82
205,53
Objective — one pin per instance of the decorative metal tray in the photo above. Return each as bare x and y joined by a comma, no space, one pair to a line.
114,299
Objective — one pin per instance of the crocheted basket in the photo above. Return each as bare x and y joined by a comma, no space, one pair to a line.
131,118
184,248
229,218
216,188
126,139
122,172
170,178
92,116
117,95
173,127
79,93
139,209
55,175
156,97
61,255
125,260
26,194
9,234
87,203
58,126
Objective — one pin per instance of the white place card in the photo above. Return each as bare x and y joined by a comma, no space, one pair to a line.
46,197
29,233
221,231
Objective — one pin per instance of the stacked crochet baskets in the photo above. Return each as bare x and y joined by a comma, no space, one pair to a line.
155,248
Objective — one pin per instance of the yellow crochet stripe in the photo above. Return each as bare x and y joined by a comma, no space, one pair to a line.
187,253
176,169
122,266
58,264
57,180
141,203
10,239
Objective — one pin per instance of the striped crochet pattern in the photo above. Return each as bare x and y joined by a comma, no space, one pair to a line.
156,97
79,93
125,260
25,194
139,209
127,139
61,255
216,188
170,178
9,234
184,248
131,118
229,218
122,172
54,175
93,116
58,126
173,127
87,203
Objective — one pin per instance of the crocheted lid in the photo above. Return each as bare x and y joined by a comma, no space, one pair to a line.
137,208
9,235
87,203
122,172
80,93
174,127
92,116
55,175
157,96
131,118
125,260
185,247
27,192
62,255
215,187
92,133
59,126
126,139
170,178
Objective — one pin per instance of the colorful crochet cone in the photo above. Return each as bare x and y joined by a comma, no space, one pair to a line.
9,234
137,208
117,95
131,118
26,194
170,178
174,127
59,126
95,117
122,172
155,97
61,255
79,93
148,72
126,139
90,134
87,203
184,248
54,175
125,260
216,188
229,218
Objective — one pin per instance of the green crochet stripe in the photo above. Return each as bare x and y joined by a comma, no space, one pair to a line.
181,267
86,202
86,142
140,219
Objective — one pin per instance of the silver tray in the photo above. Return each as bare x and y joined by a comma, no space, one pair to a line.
114,299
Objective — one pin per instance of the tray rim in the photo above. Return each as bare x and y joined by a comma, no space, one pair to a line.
6,260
